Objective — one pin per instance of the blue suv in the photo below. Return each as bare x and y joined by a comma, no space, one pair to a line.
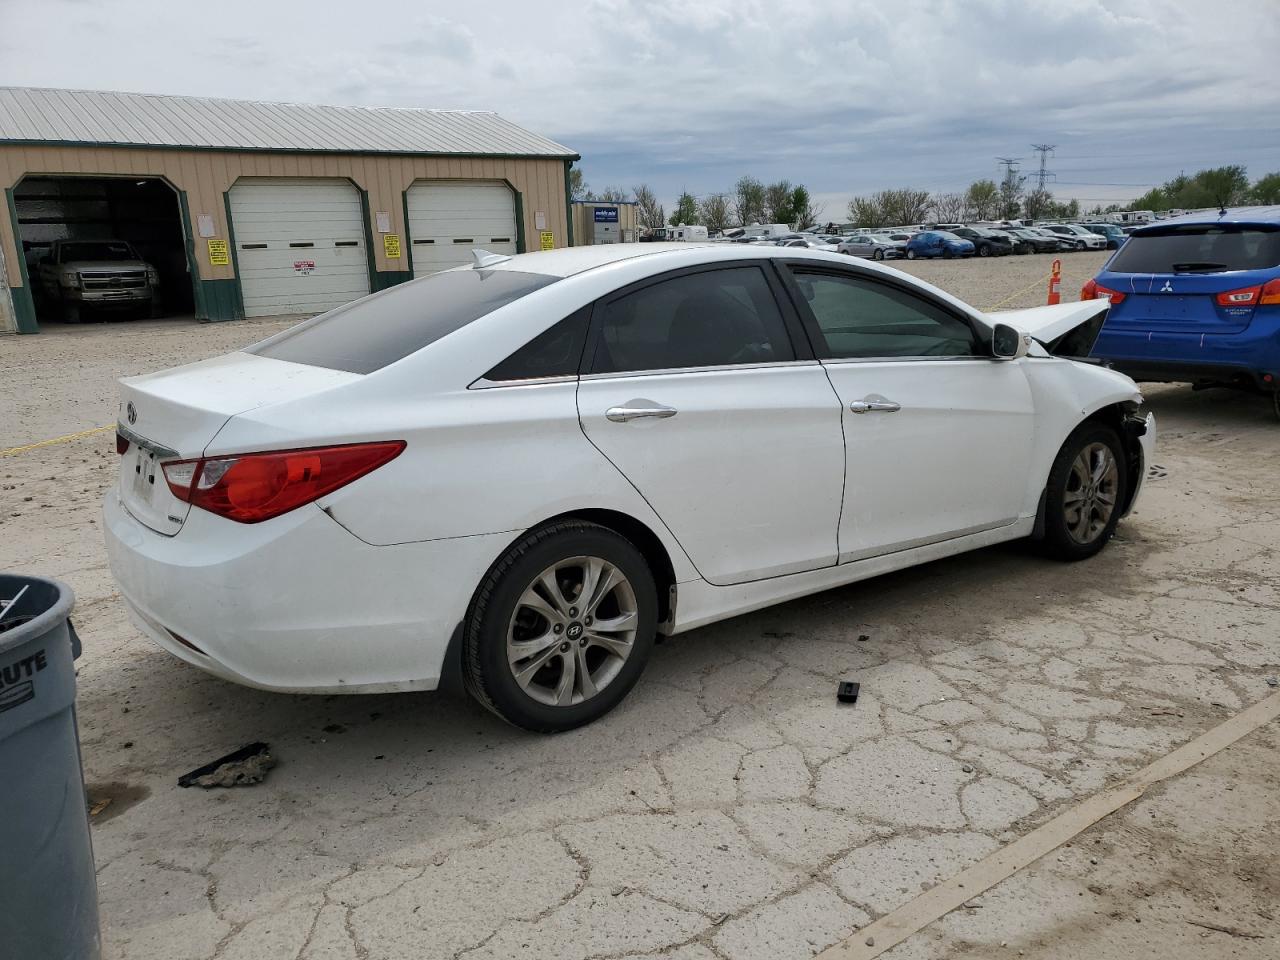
938,243
1196,299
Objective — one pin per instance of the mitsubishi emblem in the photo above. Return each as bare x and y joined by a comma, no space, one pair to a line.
1167,288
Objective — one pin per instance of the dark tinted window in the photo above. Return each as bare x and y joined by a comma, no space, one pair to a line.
1199,248
368,334
713,318
97,250
553,353
862,318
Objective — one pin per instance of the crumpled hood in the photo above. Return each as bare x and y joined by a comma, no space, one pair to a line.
1051,324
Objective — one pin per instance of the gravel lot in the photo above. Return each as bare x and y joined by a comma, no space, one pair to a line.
730,808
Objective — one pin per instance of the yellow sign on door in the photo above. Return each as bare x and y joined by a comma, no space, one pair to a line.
548,240
219,255
391,245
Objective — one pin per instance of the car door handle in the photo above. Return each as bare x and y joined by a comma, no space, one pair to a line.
874,404
626,414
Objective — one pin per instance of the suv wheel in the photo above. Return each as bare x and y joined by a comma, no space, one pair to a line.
911,254
984,250
1086,488
561,627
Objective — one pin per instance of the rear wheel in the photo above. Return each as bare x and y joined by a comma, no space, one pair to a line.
984,251
911,254
561,627
878,255
1087,486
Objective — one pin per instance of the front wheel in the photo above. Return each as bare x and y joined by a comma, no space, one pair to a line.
878,255
1087,487
561,627
911,254
984,251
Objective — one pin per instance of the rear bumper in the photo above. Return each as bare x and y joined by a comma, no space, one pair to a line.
1247,358
297,603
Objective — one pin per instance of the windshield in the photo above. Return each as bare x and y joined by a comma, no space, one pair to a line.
1076,228
1200,248
370,333
97,250
947,235
877,238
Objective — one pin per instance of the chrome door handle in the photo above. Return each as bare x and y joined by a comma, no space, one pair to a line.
626,414
874,404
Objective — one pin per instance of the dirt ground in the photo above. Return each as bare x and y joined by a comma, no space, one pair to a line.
730,808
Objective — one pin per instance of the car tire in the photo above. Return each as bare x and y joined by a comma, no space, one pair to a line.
911,254
71,312
878,255
515,608
984,251
1085,494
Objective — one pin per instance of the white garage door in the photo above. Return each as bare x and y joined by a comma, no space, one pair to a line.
299,244
448,218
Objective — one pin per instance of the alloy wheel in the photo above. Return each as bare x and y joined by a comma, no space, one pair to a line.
572,630
1091,493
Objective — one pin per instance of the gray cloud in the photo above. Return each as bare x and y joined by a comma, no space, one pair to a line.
843,97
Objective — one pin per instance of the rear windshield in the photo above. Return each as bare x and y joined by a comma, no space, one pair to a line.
369,334
1200,248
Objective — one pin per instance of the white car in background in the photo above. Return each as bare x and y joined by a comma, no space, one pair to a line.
1087,239
877,246
539,463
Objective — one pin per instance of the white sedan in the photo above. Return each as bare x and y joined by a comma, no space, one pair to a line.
538,463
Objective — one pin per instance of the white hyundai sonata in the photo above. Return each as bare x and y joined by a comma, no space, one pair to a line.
538,463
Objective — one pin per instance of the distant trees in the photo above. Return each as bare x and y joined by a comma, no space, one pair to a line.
1217,187
890,208
1011,194
983,199
686,210
714,212
748,200
578,189
1266,190
777,203
949,207
804,216
649,212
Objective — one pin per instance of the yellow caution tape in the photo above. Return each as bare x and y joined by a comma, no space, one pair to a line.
49,443
1018,293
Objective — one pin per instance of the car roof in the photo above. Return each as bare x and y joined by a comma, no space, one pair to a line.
1240,215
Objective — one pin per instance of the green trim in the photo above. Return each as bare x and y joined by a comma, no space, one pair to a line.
193,267
371,255
389,278
320,150
24,305
521,245
568,200
237,303
407,240
221,299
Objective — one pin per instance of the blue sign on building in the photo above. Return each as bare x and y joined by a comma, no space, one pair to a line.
606,214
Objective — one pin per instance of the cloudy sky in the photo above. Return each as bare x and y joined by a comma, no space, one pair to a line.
846,98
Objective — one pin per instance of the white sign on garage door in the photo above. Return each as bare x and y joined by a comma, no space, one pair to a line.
448,218
299,244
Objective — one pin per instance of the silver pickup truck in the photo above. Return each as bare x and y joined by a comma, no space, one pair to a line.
108,274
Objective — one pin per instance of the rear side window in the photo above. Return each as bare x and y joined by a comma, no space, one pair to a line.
556,352
1200,248
707,319
370,333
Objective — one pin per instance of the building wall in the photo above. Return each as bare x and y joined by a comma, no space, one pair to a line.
206,175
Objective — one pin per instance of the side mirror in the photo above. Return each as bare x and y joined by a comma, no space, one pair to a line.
1007,343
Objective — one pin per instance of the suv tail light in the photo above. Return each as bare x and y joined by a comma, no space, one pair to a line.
1270,292
1096,291
1244,297
253,487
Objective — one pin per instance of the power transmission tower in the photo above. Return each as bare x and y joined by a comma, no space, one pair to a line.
1009,164
1045,150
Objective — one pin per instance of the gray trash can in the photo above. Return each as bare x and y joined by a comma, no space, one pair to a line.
48,897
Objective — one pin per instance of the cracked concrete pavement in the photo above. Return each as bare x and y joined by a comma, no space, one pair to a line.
730,808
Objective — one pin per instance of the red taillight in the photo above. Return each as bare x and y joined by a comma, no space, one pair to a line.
122,445
1270,293
253,487
1244,297
1096,291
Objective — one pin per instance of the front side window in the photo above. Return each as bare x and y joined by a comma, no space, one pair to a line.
863,318
708,319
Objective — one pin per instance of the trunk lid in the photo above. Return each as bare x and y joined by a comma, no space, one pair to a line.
174,414
1179,302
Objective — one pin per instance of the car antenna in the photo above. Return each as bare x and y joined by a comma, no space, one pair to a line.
484,258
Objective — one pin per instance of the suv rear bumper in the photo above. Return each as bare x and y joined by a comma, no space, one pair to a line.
1249,358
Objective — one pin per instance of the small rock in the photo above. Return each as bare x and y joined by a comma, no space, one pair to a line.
967,768
871,941
862,637
1094,861
1273,682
